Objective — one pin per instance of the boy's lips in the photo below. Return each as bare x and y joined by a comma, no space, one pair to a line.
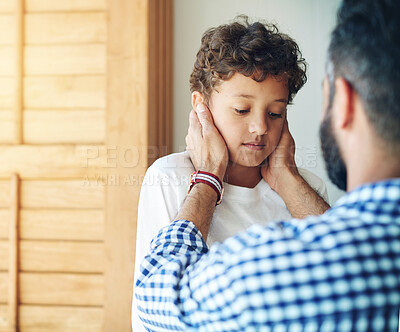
254,145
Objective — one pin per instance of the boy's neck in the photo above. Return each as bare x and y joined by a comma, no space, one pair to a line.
242,176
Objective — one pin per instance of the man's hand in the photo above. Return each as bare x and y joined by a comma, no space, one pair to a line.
208,152
280,163
206,147
282,175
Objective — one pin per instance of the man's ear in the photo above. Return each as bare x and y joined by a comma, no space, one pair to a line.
343,103
197,98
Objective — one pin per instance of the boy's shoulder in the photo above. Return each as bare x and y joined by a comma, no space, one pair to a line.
309,176
175,164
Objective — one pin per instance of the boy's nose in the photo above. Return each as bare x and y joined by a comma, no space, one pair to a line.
258,126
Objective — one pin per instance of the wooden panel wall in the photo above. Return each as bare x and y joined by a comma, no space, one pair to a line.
82,83
139,113
52,109
160,78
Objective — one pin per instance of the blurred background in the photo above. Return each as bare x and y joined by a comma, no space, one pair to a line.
91,93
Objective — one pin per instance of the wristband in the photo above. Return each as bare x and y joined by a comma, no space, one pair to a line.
207,178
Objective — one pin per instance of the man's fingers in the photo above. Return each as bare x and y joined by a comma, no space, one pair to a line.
204,116
285,126
193,120
195,126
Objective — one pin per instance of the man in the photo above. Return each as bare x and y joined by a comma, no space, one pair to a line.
336,272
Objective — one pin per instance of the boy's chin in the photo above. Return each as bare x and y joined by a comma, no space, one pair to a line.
254,162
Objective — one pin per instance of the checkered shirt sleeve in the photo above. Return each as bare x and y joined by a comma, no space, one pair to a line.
336,272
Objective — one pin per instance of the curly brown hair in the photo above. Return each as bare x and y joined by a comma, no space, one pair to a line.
255,50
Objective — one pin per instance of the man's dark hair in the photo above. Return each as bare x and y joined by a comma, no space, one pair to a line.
365,50
255,50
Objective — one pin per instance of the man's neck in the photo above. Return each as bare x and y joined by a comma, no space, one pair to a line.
372,168
368,157
242,176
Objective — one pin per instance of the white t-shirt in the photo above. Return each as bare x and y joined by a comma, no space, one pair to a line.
164,189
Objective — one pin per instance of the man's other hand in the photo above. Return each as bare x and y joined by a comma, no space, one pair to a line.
282,175
281,162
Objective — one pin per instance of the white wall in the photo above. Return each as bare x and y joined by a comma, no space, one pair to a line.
309,22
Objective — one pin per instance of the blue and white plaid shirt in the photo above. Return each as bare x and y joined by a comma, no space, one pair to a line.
335,272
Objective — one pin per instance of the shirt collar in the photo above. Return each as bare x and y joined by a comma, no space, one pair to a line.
386,190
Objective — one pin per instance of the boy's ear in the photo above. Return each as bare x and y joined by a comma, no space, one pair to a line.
197,98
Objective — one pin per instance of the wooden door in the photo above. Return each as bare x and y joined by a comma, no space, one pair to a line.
85,106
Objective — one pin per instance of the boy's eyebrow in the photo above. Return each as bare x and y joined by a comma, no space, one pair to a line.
241,95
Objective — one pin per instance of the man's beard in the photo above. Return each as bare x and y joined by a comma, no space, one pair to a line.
334,163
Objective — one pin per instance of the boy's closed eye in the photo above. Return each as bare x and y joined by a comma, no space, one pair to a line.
241,111
275,115
270,114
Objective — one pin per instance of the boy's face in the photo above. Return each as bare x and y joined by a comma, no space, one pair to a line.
250,116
